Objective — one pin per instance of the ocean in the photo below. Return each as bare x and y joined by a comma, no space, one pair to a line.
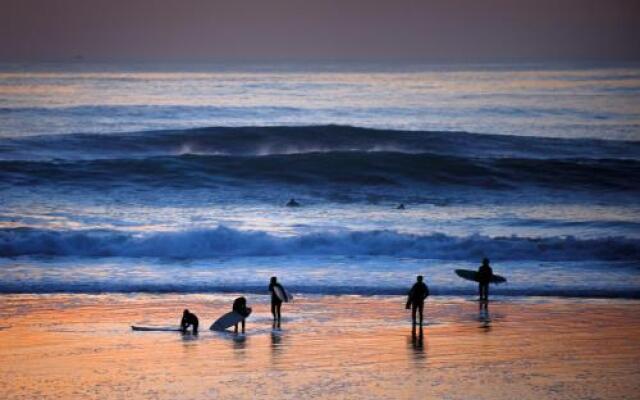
166,178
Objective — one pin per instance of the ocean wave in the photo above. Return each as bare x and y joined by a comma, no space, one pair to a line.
225,242
287,140
326,170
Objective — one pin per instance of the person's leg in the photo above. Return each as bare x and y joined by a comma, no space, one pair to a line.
273,311
279,312
235,328
483,291
421,309
486,292
195,328
414,308
243,326
480,290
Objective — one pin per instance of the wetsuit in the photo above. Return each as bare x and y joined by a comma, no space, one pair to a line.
189,319
484,277
276,303
415,300
240,306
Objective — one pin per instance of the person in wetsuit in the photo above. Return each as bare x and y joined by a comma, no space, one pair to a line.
484,277
293,203
276,302
189,319
415,299
240,306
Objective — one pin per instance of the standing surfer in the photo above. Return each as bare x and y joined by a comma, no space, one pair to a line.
415,299
278,295
485,273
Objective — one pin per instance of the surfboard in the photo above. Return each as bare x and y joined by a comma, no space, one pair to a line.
281,294
228,320
156,328
472,275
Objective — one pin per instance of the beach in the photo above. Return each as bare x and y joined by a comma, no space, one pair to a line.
81,346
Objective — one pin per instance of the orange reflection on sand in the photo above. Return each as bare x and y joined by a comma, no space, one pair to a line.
79,346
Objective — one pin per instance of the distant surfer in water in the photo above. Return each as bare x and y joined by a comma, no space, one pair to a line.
293,203
484,277
415,299
401,207
240,306
276,290
189,319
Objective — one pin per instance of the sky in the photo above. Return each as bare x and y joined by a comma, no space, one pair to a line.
234,30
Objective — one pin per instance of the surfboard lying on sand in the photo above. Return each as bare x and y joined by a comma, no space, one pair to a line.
156,328
472,275
228,320
281,294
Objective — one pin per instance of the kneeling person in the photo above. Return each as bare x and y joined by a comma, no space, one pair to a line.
189,319
240,306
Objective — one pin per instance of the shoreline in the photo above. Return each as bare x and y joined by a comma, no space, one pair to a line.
81,346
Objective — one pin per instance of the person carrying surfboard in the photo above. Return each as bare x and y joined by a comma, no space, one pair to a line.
485,273
278,295
415,299
189,319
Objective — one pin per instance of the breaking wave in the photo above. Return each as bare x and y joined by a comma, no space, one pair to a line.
223,241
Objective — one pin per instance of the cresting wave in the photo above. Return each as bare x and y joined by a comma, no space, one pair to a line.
287,140
223,241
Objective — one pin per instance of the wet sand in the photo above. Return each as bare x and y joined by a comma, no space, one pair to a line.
82,347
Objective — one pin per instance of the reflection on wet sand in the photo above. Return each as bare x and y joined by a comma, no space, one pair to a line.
419,355
483,316
350,347
276,346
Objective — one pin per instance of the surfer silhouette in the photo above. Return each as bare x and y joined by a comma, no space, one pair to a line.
484,277
189,319
401,207
415,299
240,306
278,295
293,203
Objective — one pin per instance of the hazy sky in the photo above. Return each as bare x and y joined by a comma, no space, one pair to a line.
440,30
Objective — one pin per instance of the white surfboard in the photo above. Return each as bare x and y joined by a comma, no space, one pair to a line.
156,328
228,320
281,294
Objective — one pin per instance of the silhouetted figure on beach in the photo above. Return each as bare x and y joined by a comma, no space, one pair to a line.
484,277
240,306
401,207
189,319
415,299
276,301
293,203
